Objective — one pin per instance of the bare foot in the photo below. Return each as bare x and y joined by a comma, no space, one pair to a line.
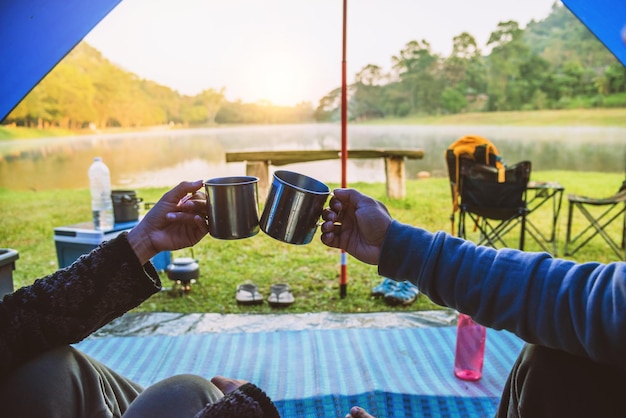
358,412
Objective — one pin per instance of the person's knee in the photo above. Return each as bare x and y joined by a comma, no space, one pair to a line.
188,385
180,395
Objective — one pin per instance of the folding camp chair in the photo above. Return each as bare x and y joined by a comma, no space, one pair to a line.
495,207
471,147
610,210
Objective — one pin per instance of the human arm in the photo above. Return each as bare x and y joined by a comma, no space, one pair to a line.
578,308
68,305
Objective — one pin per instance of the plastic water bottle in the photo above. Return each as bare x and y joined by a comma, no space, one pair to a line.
101,203
470,349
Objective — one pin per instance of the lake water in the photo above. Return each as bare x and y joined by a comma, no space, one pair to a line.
166,157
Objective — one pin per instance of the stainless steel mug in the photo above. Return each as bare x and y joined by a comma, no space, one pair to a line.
293,207
233,209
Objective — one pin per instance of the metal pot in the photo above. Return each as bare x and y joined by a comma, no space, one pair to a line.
293,207
184,270
125,205
233,208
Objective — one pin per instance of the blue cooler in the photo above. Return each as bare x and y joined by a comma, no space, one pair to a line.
72,241
7,265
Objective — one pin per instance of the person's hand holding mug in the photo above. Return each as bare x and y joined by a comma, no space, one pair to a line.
355,223
178,220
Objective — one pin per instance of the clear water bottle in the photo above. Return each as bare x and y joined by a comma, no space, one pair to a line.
470,349
101,203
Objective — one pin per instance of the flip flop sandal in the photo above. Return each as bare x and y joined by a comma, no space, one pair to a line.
280,295
248,294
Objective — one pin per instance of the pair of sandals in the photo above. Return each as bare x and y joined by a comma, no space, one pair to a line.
280,295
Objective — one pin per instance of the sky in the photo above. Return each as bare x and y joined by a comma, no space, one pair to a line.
286,51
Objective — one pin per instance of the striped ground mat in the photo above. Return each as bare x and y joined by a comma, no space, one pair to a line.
397,372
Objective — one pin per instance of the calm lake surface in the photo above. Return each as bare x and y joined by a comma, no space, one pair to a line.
166,157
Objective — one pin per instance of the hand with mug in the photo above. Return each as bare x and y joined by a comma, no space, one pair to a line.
355,223
177,221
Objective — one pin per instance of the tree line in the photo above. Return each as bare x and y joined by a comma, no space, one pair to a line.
555,63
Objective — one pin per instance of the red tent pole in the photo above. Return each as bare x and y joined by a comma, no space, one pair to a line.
343,285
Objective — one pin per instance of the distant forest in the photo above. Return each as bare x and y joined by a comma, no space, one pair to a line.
555,63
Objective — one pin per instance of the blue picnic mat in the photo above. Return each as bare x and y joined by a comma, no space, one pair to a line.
393,372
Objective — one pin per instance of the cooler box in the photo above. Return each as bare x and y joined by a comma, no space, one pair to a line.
7,265
72,241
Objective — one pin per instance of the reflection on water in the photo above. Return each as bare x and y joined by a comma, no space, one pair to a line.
164,158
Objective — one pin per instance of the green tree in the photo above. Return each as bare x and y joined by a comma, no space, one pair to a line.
328,108
613,80
30,111
464,69
452,100
367,99
417,68
211,100
68,96
507,55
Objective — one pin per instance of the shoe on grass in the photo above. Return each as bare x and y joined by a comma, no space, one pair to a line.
248,294
386,286
404,294
280,295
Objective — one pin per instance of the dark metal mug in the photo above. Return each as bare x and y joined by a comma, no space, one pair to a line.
233,209
293,207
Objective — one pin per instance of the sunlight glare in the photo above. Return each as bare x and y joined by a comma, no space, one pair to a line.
278,78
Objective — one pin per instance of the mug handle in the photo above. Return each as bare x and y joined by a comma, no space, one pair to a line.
330,196
189,197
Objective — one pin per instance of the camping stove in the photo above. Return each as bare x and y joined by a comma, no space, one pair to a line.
184,272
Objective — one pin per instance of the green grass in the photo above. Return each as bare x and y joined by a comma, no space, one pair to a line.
11,132
573,117
29,218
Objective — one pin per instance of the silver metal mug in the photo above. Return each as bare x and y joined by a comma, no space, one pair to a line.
233,209
293,207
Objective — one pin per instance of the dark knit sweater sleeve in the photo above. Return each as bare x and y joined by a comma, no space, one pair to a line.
68,305
247,401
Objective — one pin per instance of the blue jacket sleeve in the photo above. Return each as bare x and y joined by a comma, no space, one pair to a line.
578,308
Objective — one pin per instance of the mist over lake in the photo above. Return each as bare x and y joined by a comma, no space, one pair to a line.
162,158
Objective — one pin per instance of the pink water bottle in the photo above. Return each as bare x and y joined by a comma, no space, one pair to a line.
470,349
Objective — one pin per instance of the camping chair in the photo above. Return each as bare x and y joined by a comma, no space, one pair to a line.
494,206
475,148
610,210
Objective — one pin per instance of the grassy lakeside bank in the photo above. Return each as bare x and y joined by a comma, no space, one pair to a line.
13,132
573,117
312,271
570,117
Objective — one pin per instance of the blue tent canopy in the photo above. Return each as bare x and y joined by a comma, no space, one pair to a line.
606,19
37,34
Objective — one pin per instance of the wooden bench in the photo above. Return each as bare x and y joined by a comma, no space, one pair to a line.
258,162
